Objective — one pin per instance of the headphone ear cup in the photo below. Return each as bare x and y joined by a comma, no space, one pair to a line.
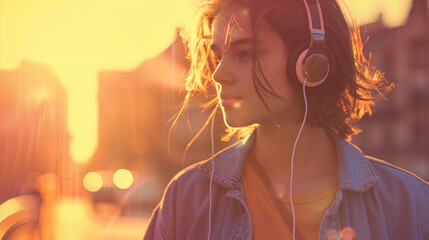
302,68
312,64
292,62
319,66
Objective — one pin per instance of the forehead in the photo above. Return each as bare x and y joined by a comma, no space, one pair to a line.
231,23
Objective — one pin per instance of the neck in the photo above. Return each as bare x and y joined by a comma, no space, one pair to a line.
315,160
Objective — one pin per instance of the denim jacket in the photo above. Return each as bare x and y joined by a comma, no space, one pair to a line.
376,199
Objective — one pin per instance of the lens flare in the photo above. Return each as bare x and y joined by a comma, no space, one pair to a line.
346,233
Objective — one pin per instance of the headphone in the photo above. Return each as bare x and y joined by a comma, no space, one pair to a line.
312,63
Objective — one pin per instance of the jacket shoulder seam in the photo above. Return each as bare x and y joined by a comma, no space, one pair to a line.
392,166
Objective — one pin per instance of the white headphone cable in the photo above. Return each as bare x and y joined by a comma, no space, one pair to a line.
293,155
212,173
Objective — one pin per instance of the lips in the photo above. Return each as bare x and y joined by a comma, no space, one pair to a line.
229,100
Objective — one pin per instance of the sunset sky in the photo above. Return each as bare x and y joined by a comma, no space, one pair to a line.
78,38
21,18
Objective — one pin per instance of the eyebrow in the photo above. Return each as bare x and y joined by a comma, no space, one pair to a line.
233,43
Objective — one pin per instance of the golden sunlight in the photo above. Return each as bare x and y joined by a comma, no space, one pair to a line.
79,38
394,12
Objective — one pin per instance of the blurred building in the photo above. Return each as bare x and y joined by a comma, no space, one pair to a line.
398,132
133,113
134,107
33,128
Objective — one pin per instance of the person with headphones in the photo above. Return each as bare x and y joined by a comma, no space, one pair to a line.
291,81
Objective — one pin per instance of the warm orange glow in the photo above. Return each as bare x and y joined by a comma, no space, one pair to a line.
92,181
123,178
8,208
394,11
79,38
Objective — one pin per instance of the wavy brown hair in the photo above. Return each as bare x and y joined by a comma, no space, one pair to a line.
350,90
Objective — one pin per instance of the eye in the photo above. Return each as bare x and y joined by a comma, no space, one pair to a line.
244,54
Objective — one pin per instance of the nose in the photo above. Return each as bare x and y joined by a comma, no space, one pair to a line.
223,73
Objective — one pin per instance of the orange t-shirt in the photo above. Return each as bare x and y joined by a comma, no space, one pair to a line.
267,221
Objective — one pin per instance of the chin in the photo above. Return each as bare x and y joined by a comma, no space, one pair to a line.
235,119
235,123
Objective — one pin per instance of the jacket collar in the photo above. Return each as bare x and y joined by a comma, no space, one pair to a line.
228,165
354,170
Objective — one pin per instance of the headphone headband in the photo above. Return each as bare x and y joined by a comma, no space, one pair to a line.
313,63
315,22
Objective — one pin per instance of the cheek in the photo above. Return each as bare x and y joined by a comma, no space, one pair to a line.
275,74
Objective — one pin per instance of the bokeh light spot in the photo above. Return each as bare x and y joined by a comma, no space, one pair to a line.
347,233
92,181
123,178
